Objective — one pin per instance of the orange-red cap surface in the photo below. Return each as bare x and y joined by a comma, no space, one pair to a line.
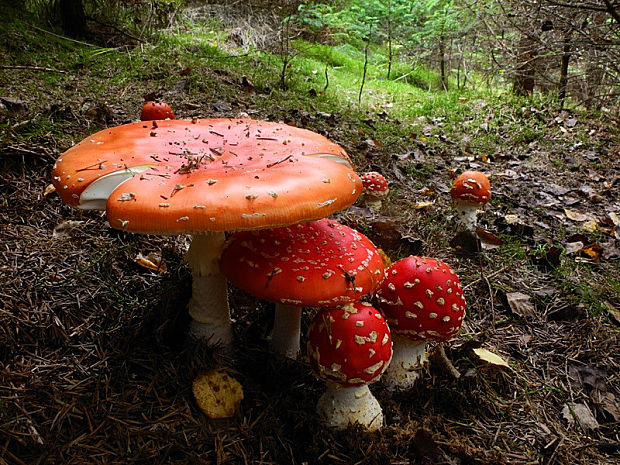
471,186
315,264
208,175
156,111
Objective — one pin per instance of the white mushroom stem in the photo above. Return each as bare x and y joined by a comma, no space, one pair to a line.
286,330
374,200
373,203
208,306
466,214
408,358
341,406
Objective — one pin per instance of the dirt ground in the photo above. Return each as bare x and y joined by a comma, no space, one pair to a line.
95,365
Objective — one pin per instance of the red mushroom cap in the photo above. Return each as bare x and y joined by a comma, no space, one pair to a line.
156,111
422,299
472,187
316,264
179,176
350,346
375,183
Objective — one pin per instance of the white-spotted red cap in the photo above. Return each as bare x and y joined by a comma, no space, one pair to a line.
350,346
422,299
156,111
375,184
315,264
179,176
472,187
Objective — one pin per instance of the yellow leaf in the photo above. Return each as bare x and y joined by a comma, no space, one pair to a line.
50,189
614,217
387,262
575,216
217,393
152,261
422,205
590,226
490,357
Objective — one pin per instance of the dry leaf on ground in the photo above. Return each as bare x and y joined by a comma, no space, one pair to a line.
583,415
490,357
521,304
217,394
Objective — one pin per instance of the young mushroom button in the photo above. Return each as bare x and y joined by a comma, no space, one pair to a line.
314,264
156,111
422,300
349,348
205,177
470,191
375,189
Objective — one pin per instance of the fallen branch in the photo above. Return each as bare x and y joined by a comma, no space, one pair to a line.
33,68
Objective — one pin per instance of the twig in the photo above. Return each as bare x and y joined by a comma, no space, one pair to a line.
439,357
112,26
269,165
492,275
63,37
326,79
34,68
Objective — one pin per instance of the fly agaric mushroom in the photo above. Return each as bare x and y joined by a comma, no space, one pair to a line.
317,264
422,300
156,111
470,191
205,177
375,189
349,348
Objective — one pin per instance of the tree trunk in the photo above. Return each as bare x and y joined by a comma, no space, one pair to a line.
72,17
564,69
442,61
524,76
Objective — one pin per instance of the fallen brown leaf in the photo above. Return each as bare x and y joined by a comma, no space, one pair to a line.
521,304
575,216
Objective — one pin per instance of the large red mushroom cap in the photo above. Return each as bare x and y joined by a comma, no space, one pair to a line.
315,264
156,111
422,299
177,176
349,346
471,187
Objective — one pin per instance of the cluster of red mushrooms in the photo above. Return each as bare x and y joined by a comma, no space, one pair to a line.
255,195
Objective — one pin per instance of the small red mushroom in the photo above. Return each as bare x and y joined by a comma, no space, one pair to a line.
470,191
314,264
349,348
422,300
375,189
156,111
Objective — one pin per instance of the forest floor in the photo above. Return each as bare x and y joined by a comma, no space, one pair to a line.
95,365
